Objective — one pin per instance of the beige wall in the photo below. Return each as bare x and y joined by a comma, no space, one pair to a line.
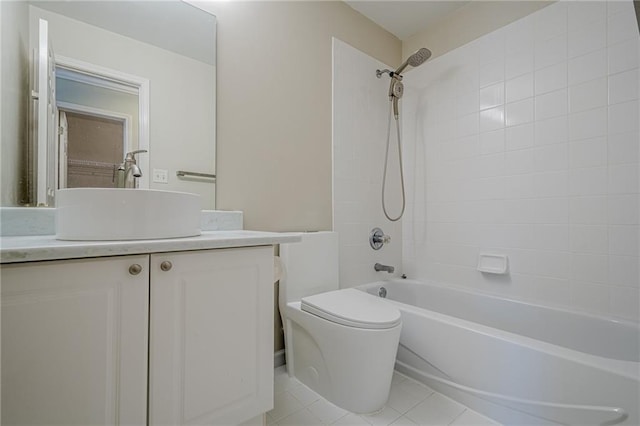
274,106
468,23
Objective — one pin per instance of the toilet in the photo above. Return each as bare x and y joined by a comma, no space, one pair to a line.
340,343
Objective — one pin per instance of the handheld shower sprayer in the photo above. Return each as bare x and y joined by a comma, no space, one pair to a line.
396,90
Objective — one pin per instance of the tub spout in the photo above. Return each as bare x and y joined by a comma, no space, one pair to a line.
380,267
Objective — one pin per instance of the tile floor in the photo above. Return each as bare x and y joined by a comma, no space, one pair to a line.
410,403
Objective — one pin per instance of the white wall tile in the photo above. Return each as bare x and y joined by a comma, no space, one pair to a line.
519,162
614,7
621,27
623,86
623,179
518,63
550,52
550,211
589,239
549,175
491,165
551,157
624,118
491,47
519,88
467,125
492,96
519,186
491,73
554,130
551,184
623,271
467,79
520,112
623,209
623,56
467,103
588,210
590,181
587,67
552,104
553,264
588,124
589,267
357,142
623,148
589,95
551,78
492,119
623,240
550,21
519,137
492,142
554,237
588,38
584,12
519,35
588,153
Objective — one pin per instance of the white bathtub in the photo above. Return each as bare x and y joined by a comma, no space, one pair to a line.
515,362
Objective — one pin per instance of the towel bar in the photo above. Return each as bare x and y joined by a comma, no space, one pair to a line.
182,173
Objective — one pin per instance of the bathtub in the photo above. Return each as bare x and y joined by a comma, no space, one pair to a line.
516,362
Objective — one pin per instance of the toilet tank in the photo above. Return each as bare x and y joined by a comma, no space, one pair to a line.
310,266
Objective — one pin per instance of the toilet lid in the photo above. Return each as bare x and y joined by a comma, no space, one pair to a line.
353,308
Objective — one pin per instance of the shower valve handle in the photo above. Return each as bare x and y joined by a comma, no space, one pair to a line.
377,238
384,239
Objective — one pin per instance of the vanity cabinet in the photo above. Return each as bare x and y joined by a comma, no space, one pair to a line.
184,336
74,341
211,351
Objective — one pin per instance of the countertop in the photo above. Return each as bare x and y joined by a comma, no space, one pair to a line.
46,247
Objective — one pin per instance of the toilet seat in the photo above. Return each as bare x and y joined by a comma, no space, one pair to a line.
352,308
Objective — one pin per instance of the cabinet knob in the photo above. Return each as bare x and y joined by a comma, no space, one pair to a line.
166,266
135,269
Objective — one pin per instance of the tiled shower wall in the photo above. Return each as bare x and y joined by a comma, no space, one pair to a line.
525,143
360,114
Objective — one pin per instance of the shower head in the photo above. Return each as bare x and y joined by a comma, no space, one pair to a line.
396,88
415,60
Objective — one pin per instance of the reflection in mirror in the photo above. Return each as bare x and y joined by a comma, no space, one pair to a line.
123,76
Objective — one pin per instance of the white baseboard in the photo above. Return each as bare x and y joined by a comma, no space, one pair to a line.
278,358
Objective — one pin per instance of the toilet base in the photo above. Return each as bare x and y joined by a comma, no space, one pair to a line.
350,367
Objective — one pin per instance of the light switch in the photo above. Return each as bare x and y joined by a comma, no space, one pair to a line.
160,176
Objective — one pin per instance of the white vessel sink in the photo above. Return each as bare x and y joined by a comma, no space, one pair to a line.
91,214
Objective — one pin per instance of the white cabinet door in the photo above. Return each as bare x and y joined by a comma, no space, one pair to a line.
74,342
211,347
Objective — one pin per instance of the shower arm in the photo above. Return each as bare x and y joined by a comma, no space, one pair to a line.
392,74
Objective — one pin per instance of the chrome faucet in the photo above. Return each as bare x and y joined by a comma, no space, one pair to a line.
129,171
380,267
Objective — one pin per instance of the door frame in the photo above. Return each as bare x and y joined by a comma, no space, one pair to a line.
126,119
116,80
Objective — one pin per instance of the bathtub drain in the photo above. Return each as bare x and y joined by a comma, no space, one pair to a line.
382,292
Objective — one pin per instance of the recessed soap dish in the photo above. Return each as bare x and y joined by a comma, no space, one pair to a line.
493,263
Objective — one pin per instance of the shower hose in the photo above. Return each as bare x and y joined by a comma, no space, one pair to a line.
386,162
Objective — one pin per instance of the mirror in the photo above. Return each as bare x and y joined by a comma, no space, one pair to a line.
142,72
